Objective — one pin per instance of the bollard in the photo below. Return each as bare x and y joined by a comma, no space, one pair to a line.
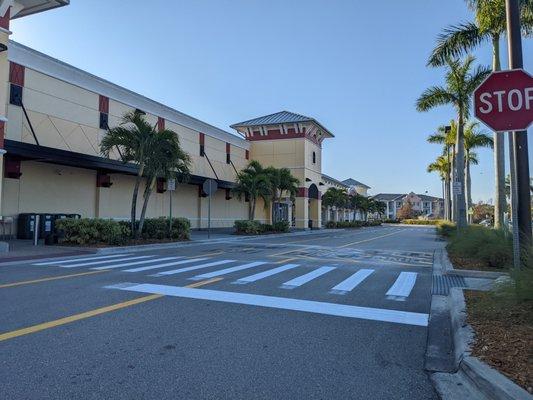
36,230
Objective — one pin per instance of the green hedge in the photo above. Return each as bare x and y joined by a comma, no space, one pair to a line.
446,228
350,224
92,231
246,227
492,248
422,221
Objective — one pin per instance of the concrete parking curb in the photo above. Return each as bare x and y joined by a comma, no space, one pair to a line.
470,378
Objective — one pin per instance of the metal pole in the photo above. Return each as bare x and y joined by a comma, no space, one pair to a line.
209,215
520,153
36,230
170,216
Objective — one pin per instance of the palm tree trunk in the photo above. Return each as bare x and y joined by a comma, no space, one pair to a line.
453,178
499,150
250,210
146,196
468,186
448,198
460,206
254,200
138,180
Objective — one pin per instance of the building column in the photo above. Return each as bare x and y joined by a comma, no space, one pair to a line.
301,212
4,90
315,214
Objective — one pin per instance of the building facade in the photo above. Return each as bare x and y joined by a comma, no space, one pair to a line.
422,204
54,115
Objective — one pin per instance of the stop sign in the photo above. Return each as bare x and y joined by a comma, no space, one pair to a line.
504,101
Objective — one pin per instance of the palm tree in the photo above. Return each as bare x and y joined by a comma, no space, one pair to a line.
253,183
335,198
281,181
357,203
166,159
460,84
133,138
442,166
447,136
473,139
456,40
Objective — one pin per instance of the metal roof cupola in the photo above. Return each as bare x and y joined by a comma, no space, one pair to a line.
283,125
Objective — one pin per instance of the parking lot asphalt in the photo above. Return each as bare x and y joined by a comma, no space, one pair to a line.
325,315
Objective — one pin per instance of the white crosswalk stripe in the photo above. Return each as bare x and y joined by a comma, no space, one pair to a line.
193,268
85,264
350,283
72,260
401,289
228,270
261,275
303,279
171,264
129,264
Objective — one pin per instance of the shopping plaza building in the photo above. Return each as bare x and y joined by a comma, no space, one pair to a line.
53,117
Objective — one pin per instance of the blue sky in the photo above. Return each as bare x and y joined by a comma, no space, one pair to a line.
356,66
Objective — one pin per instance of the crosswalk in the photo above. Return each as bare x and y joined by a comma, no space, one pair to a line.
203,268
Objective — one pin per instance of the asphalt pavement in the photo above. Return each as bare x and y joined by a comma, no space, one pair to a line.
326,315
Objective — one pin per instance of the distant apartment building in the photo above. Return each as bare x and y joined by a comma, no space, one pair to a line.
424,205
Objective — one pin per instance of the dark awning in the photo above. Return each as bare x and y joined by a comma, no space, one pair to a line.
28,151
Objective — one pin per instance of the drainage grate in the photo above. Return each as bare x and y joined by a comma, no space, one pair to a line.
443,283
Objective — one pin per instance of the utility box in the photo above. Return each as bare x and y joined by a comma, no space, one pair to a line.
25,226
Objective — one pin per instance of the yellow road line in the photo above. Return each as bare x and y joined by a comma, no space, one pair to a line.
369,240
205,255
91,313
51,278
202,283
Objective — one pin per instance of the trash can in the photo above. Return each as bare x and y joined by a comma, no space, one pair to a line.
46,224
25,225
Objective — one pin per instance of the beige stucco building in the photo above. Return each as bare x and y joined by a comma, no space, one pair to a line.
53,117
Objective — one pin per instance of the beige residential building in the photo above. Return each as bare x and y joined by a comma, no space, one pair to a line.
54,115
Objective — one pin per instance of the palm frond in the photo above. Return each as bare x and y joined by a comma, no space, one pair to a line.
455,41
434,96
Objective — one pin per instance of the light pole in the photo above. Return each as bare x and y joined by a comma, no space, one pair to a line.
520,189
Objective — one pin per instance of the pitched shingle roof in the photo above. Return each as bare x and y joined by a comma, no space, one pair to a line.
397,196
353,182
327,177
282,117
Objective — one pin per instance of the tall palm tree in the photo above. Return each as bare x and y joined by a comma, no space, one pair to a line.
253,183
461,81
442,166
281,181
133,138
166,159
473,139
456,40
447,136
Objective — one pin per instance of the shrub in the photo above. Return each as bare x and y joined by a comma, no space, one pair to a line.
89,231
158,228
246,227
350,224
391,221
491,248
92,231
422,221
445,228
281,226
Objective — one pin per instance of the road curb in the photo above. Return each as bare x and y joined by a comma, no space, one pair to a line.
470,377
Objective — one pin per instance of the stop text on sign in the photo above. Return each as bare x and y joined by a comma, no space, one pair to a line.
504,101
514,100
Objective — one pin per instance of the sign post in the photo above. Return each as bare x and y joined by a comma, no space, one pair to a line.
171,186
504,102
209,187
